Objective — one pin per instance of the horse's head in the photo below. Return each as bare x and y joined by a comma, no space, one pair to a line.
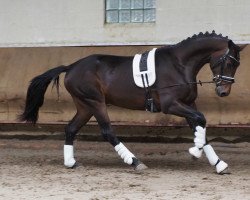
224,64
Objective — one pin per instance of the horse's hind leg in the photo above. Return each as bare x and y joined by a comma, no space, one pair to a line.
101,115
81,118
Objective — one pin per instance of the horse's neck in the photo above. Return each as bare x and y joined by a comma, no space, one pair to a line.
195,55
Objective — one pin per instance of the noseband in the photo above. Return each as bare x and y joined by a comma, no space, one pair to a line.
220,77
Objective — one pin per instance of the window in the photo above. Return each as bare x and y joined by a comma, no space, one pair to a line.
130,11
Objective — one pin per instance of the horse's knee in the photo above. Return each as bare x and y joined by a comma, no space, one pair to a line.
200,120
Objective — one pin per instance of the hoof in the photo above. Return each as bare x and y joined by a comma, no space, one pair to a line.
221,167
73,167
225,171
140,167
194,158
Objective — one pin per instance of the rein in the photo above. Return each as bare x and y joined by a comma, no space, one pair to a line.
189,83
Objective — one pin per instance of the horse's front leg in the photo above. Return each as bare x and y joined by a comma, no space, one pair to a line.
198,122
197,150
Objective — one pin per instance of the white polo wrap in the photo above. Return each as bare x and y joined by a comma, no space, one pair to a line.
213,158
211,155
196,152
200,136
199,141
221,166
124,153
69,160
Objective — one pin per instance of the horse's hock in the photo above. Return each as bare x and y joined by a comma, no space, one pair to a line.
20,65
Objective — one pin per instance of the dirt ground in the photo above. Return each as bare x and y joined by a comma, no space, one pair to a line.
34,169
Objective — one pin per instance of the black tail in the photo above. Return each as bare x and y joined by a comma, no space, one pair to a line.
36,91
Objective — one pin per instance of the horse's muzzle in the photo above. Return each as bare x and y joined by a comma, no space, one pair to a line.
223,90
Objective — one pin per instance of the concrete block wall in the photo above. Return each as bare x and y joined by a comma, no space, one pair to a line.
82,22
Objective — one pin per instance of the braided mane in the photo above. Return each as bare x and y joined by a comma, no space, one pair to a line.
204,35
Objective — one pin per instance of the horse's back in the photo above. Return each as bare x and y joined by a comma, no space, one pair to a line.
104,75
98,66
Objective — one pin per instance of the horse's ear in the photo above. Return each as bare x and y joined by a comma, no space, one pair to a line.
230,44
241,47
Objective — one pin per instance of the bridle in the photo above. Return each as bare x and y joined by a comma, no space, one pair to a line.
217,79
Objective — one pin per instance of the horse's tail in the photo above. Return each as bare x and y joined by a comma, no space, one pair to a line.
36,91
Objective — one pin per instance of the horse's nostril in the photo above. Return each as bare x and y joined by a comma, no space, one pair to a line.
223,94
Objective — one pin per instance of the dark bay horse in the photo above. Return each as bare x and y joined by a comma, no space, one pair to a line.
98,80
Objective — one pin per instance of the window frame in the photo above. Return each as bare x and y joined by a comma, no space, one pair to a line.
130,10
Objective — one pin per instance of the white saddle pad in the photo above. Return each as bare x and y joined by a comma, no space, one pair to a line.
137,74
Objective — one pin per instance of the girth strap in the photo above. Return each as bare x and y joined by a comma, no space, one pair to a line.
149,102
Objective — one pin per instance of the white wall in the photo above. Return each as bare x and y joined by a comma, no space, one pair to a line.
81,22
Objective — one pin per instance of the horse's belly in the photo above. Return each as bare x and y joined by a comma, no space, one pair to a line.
126,98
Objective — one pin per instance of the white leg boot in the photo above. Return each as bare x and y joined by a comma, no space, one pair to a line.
195,151
69,160
199,140
124,153
214,159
